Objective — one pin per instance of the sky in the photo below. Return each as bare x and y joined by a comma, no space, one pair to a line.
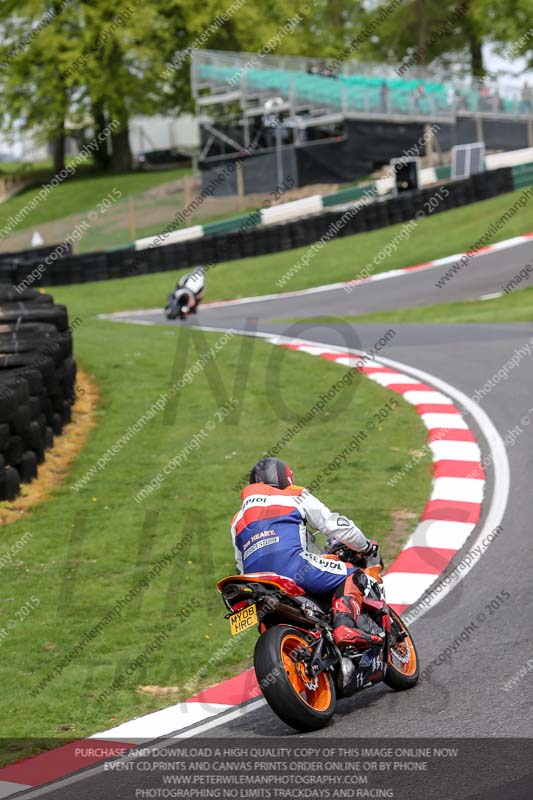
514,70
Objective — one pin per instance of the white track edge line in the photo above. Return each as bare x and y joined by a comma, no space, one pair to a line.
167,740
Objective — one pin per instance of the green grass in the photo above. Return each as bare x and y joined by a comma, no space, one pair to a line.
25,167
81,193
342,259
101,239
37,173
516,306
38,169
88,549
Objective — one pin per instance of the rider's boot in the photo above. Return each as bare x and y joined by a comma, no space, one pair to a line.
346,611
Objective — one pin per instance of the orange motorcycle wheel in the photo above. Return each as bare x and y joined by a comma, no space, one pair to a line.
402,665
303,702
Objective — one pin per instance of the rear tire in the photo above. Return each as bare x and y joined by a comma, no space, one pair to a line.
402,666
281,681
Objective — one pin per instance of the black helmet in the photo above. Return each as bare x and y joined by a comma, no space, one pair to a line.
272,471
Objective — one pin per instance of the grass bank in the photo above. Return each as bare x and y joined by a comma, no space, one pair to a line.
87,548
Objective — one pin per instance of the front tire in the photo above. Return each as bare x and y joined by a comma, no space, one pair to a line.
402,665
302,703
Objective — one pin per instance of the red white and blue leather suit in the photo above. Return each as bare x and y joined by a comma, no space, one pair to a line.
269,535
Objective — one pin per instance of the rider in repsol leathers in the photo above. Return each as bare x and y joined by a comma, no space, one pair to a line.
269,534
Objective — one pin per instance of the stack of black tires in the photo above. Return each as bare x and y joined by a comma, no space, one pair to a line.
37,382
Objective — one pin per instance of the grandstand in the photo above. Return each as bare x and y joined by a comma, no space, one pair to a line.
338,128
349,95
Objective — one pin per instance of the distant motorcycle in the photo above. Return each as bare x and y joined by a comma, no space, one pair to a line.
180,304
298,666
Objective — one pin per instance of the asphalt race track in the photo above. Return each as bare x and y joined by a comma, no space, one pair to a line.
464,696
484,274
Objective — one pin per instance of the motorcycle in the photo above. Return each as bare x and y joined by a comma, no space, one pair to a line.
180,304
299,668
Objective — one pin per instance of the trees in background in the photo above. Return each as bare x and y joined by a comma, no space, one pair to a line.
422,32
509,25
97,61
33,92
68,63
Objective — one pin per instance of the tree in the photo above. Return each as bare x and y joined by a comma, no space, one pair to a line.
444,32
34,94
92,61
474,38
102,61
121,59
449,33
422,25
509,24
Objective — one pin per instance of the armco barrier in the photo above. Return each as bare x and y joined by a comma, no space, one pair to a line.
510,158
522,176
348,195
249,241
242,222
37,383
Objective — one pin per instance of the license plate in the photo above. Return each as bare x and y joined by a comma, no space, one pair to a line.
243,619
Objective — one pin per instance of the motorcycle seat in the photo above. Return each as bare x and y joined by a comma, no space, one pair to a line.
287,585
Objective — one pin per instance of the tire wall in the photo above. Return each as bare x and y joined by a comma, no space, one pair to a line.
252,240
37,383
62,249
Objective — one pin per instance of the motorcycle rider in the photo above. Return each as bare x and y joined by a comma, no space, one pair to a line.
269,535
194,282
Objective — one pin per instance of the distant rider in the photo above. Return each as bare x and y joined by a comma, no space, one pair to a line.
195,283
269,535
